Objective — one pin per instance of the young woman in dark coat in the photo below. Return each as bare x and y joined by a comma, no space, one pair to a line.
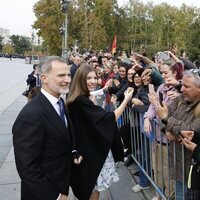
96,134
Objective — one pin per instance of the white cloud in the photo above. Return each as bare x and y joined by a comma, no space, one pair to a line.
17,16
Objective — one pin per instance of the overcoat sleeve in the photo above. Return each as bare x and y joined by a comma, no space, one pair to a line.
96,133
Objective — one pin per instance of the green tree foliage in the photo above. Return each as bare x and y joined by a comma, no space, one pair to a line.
165,26
49,21
20,44
93,23
8,49
193,41
1,45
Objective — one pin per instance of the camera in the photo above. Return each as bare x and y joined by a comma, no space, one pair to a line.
162,56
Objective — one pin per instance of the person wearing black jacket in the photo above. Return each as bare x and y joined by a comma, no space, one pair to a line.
32,78
97,136
43,137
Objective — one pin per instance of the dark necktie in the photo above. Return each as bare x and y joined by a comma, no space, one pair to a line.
62,110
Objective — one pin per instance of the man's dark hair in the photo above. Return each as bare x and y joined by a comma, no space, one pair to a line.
34,66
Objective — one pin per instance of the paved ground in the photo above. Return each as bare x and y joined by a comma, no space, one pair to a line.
12,84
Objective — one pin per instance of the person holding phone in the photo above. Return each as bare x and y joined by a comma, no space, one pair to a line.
182,114
191,140
169,69
140,104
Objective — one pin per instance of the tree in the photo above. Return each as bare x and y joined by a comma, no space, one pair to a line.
1,45
8,49
192,43
49,21
20,44
93,23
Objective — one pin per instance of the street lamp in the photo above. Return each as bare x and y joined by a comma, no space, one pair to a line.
63,30
32,41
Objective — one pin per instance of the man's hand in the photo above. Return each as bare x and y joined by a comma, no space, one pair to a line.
188,144
77,157
188,134
170,137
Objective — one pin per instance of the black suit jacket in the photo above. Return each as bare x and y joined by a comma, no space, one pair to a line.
73,70
42,147
31,81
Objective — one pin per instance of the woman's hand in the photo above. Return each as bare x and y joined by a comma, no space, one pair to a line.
113,99
116,82
146,72
128,94
137,102
171,81
93,99
108,84
153,98
172,94
147,125
162,111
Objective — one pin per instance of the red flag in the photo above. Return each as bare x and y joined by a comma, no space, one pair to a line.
114,44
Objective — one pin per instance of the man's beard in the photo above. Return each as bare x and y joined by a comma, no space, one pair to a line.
64,91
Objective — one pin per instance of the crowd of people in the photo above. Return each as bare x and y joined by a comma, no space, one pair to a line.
77,144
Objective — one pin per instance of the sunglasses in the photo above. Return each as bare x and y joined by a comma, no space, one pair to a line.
195,71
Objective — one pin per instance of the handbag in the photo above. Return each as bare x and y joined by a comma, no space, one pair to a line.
25,93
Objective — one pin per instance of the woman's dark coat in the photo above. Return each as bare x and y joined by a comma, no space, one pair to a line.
96,133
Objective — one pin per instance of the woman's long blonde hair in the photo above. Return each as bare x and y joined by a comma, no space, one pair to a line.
79,85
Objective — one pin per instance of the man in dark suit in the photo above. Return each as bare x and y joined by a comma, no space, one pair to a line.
75,65
43,142
33,78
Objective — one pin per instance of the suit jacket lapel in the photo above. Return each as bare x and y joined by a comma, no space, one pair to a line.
55,119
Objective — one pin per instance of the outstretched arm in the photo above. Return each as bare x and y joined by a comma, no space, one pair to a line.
127,97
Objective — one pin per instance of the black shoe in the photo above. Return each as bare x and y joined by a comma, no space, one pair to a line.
128,161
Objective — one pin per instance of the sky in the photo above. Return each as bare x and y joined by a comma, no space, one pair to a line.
18,16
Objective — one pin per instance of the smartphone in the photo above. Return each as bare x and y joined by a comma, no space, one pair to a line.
151,88
161,98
